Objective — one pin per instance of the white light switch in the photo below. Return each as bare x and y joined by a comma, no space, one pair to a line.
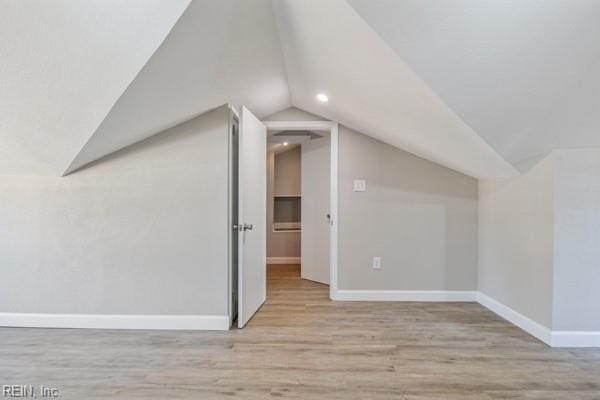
376,262
360,185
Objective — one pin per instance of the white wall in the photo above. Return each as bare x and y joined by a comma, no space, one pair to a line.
143,231
539,243
516,241
419,217
577,240
287,175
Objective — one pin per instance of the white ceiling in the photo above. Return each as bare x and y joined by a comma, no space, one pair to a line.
219,51
329,48
63,65
462,84
524,74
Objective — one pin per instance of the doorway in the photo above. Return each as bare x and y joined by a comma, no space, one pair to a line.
317,145
248,209
298,202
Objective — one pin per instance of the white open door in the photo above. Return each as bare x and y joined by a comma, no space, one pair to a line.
316,209
252,257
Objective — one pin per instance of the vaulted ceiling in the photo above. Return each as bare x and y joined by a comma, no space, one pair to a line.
63,64
480,86
218,52
329,48
524,74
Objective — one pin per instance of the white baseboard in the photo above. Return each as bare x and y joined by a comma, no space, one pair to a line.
283,260
218,322
575,339
546,335
112,321
405,295
527,324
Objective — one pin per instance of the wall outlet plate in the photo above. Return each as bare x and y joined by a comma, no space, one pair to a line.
376,262
360,185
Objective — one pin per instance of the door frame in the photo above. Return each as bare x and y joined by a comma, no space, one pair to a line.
234,116
332,127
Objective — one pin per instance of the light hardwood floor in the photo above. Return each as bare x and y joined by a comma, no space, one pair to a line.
301,345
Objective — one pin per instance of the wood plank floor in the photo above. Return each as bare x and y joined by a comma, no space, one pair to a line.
301,345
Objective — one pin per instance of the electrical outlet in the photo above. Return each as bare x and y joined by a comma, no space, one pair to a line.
376,262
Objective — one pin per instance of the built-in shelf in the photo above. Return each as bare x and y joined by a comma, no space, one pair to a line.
286,226
287,213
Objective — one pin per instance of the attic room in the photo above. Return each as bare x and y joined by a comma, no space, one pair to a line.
317,199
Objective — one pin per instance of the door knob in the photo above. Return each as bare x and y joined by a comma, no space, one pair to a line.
242,227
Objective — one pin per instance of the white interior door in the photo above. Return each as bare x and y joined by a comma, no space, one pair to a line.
315,209
252,257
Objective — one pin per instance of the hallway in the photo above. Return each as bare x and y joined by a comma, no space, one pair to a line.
301,345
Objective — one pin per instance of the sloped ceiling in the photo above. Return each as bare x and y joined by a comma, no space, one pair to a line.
329,48
231,51
524,74
468,85
219,51
63,64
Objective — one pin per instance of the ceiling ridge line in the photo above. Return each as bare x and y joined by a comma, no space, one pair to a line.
68,170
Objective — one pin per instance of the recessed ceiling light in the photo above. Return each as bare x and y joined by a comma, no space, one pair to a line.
322,98
285,143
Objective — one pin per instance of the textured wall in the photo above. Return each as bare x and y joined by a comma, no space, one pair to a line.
577,240
143,231
516,241
419,217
